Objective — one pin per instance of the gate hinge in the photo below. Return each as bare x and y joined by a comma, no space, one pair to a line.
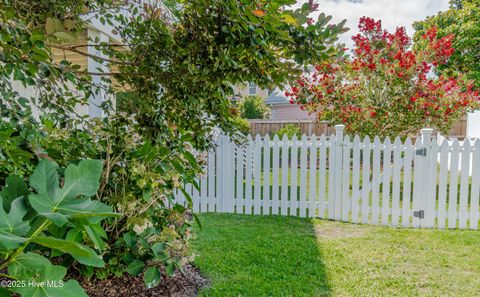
419,214
421,152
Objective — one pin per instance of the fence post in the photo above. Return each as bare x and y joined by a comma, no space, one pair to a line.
426,192
338,171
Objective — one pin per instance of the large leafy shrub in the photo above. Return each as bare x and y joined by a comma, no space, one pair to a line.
51,221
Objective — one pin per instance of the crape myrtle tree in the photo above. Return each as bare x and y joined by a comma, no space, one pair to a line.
385,88
174,76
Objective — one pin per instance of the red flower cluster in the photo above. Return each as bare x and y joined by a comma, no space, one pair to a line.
383,89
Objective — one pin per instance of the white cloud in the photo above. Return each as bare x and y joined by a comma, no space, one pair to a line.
393,13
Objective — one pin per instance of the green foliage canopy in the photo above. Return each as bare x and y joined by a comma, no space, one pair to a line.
463,20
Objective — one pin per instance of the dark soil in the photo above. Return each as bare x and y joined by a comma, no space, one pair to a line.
185,284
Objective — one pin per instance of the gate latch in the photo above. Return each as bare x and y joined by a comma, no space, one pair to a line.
419,214
421,152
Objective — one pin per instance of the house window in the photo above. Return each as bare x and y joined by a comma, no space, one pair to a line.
252,89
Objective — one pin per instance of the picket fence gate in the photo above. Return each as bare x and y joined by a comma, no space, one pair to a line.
422,184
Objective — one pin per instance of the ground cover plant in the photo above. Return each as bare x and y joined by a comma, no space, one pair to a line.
285,256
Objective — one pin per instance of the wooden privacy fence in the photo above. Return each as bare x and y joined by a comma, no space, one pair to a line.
421,184
311,127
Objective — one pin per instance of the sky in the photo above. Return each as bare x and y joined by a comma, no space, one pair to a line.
393,13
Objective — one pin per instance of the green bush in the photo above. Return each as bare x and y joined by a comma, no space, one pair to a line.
243,125
253,107
289,130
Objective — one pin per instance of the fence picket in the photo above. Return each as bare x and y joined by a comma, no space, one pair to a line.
229,180
355,178
239,201
248,176
376,179
407,188
211,180
266,175
387,172
257,167
346,205
196,197
303,176
312,192
474,197
366,179
397,167
442,184
331,179
294,176
452,198
417,182
431,197
464,181
338,171
276,161
284,179
322,170
203,191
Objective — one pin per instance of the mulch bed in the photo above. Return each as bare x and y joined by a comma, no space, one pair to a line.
185,284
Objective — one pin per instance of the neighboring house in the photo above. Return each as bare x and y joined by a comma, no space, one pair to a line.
94,33
282,109
250,89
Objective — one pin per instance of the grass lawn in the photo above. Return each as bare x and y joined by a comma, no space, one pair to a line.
284,256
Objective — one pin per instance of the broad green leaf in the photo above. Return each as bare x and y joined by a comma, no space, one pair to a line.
45,178
95,237
10,241
170,269
135,267
72,201
12,222
79,252
42,278
12,226
4,292
152,277
75,234
14,187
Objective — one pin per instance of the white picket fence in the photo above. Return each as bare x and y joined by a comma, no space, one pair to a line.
425,184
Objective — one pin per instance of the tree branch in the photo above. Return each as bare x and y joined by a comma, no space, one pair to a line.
73,49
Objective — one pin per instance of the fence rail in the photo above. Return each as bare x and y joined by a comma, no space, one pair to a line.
422,184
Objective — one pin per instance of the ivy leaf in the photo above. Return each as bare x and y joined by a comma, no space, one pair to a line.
72,201
79,252
152,277
42,278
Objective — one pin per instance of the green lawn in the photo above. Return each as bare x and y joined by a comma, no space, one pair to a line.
284,256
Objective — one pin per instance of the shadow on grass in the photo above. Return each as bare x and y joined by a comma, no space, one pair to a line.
260,256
